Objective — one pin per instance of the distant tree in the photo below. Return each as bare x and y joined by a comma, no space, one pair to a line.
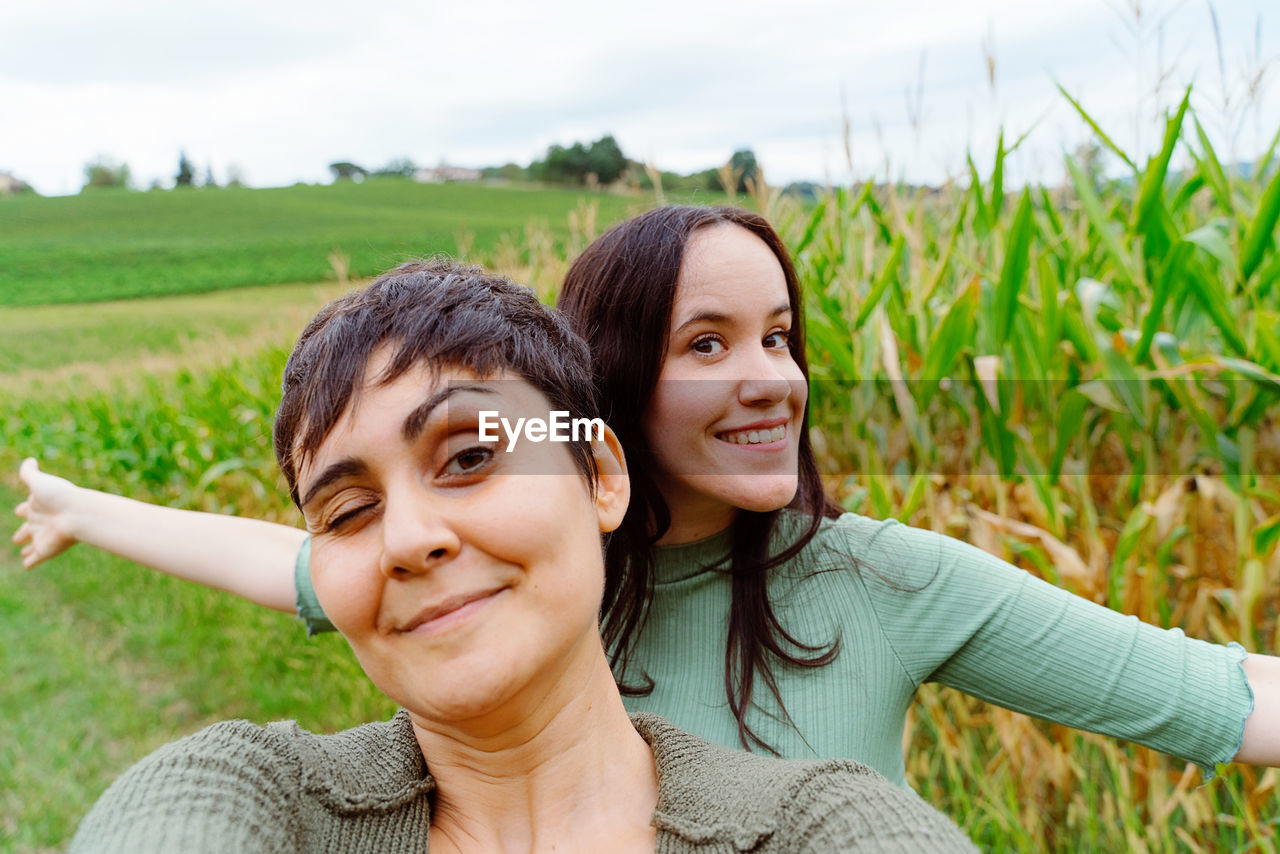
209,180
743,163
186,172
805,191
235,176
708,179
505,172
399,167
343,170
105,172
602,158
565,165
606,160
540,170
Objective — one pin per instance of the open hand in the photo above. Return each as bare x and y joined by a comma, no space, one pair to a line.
46,532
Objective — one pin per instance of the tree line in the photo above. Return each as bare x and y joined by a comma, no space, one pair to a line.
600,163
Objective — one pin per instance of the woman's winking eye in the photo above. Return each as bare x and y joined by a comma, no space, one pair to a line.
344,512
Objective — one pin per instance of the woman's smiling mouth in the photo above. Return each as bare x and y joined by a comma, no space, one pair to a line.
764,433
454,610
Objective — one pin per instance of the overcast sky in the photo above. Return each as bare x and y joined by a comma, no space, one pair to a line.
278,89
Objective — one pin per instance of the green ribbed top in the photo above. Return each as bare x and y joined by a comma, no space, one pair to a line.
912,606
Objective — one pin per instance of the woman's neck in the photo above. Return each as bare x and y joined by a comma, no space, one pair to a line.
694,517
567,772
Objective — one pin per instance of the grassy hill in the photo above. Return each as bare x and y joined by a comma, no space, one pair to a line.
109,245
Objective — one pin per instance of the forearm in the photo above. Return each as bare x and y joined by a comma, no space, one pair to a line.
250,558
1261,744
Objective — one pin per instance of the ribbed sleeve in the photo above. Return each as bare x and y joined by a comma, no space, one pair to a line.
309,610
910,606
223,789
991,630
242,788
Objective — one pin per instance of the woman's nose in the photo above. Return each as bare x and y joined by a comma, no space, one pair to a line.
416,535
764,380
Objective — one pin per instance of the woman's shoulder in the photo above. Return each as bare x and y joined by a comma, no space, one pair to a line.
355,759
199,793
905,555
205,791
371,766
709,793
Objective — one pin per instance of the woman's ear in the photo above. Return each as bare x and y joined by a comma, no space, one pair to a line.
613,486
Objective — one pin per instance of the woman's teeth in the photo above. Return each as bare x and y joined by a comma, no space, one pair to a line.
755,437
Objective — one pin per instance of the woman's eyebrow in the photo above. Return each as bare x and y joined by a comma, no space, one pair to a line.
337,471
413,426
416,421
711,316
721,317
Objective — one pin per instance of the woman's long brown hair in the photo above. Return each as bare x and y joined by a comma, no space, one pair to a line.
618,295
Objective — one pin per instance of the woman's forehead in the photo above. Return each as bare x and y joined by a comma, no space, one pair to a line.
424,392
727,267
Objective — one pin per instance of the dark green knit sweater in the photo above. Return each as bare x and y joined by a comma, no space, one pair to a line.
239,787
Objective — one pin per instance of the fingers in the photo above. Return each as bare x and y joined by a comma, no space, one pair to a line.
23,509
28,470
23,534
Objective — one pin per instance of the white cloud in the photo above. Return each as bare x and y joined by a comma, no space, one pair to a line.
283,88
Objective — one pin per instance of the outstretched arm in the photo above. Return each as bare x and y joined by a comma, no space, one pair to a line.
250,558
1261,745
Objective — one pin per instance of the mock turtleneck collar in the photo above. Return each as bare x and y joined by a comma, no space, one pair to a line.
685,560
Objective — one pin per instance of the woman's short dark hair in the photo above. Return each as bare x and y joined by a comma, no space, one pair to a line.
619,295
435,313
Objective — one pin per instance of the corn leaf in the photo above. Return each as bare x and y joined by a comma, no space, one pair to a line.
1106,140
1098,220
1014,271
888,275
1261,232
948,341
1152,187
1172,274
1211,170
1213,299
810,230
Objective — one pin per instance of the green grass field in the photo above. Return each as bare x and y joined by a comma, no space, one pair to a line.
116,244
168,399
92,341
104,661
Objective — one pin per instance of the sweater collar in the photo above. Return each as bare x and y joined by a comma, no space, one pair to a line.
372,768
379,767
693,779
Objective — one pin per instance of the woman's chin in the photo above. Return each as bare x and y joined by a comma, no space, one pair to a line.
463,707
765,493
453,694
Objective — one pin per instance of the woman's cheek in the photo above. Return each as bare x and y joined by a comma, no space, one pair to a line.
343,589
